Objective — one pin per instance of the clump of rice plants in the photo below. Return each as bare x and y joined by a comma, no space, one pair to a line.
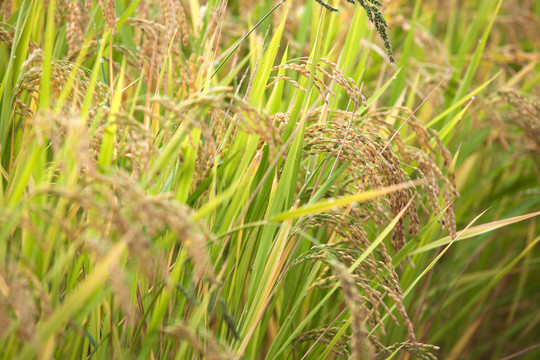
234,180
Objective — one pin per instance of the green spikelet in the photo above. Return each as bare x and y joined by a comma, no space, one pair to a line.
375,16
326,5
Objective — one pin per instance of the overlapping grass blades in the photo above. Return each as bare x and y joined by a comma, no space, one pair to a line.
178,183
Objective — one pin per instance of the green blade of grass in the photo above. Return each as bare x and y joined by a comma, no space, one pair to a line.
339,202
475,231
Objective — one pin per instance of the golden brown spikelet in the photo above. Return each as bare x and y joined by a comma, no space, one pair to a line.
22,301
6,36
74,33
5,10
524,117
171,20
375,164
419,350
61,72
361,345
122,211
107,8
368,168
325,336
376,266
325,71
175,22
182,22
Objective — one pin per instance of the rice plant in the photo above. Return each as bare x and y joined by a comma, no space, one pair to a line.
269,180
